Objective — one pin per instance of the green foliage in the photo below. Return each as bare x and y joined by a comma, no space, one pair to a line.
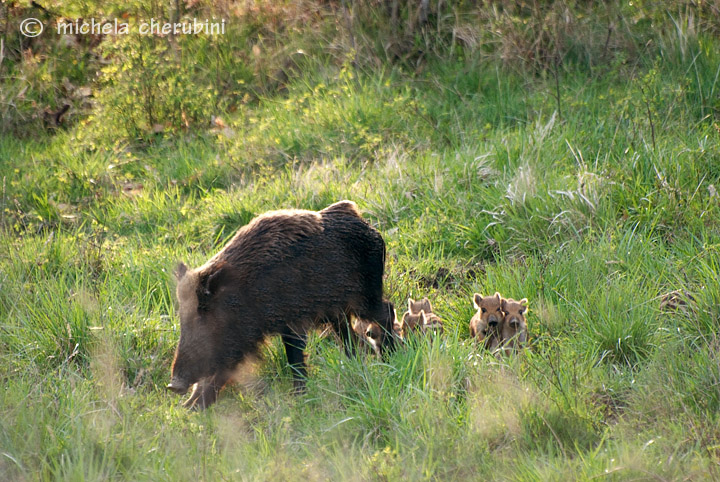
146,89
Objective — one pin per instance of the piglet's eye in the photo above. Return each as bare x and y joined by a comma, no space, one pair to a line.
498,309
483,310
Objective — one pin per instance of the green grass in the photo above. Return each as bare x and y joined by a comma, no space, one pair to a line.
478,184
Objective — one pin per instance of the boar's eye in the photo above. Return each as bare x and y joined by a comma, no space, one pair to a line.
483,310
498,309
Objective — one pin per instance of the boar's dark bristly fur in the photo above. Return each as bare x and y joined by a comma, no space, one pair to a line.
283,273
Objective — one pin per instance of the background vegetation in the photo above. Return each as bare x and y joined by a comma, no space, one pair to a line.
562,151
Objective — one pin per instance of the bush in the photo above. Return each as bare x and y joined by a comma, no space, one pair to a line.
145,90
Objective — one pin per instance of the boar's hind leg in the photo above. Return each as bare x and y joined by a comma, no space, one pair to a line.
295,351
206,392
387,322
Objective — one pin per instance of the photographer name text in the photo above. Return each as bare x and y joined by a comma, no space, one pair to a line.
151,27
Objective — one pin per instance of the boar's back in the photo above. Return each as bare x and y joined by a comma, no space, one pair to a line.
290,268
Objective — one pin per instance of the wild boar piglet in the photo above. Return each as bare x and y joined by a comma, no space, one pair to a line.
412,323
486,323
432,322
514,327
415,307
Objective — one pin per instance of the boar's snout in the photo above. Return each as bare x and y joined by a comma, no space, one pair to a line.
493,321
178,386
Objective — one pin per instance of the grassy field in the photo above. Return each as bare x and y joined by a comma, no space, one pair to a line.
590,188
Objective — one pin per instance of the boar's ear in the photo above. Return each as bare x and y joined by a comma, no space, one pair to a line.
212,282
524,301
411,302
477,299
503,304
498,296
180,271
422,320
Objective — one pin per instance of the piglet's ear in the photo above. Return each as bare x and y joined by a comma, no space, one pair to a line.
524,301
411,302
498,296
503,304
477,299
180,271
423,318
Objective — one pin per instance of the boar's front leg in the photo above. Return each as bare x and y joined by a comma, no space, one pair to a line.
295,351
206,391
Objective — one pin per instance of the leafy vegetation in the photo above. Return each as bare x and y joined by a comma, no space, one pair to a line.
563,152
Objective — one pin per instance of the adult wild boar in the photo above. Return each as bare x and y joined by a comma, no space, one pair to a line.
283,273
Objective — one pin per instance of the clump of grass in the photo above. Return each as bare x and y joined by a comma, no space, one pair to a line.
621,327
